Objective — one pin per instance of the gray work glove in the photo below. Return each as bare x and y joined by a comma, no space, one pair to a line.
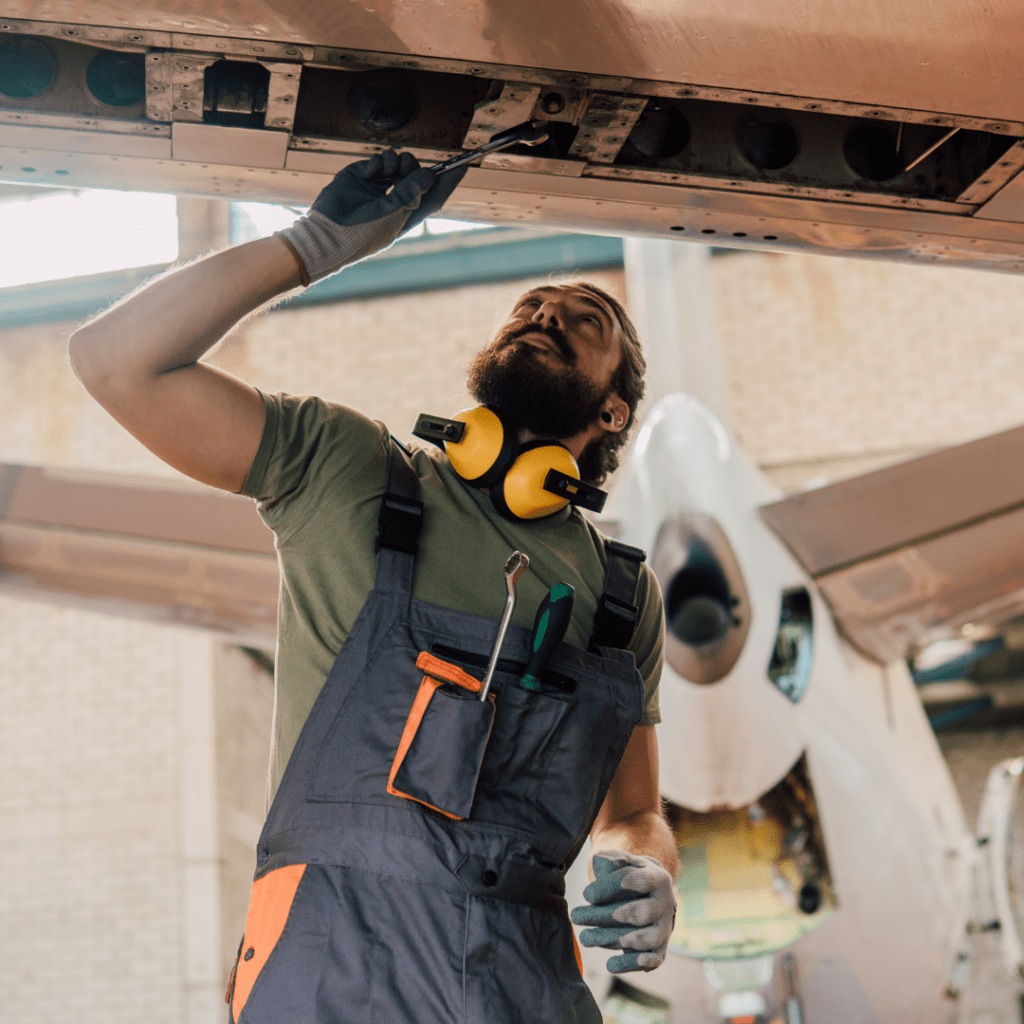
354,216
633,909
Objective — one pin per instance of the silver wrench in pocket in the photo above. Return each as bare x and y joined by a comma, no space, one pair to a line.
516,565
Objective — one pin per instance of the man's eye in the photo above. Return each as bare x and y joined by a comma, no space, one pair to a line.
593,319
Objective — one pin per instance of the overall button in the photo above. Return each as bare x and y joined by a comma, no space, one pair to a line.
249,953
489,877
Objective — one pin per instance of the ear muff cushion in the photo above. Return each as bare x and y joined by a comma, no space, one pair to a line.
486,449
522,493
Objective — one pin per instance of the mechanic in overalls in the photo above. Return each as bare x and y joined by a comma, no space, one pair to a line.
411,866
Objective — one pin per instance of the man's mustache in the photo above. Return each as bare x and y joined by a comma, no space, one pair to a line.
548,330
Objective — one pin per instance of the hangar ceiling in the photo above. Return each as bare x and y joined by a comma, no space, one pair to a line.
860,130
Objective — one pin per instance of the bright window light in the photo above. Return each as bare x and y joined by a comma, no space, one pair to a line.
250,221
58,234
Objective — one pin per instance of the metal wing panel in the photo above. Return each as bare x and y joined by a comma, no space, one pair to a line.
919,54
912,552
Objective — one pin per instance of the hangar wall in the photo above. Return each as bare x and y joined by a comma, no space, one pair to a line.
133,755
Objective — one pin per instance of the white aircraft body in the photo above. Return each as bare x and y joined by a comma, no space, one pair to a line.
815,813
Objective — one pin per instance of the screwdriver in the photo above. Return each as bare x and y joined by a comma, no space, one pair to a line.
549,626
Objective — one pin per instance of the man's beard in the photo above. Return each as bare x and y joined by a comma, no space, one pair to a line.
509,376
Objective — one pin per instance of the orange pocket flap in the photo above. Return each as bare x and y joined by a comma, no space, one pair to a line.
449,673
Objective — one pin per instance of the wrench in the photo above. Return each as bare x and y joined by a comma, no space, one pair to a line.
525,134
514,568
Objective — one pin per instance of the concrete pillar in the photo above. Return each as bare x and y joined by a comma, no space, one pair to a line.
668,287
204,225
202,973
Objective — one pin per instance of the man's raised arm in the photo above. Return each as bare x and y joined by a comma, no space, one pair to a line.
140,359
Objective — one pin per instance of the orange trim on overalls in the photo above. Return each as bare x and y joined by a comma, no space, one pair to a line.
445,673
576,950
269,906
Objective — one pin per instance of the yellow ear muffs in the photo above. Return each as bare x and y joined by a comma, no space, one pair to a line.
526,482
521,494
486,448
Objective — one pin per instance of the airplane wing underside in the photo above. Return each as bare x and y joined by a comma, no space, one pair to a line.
167,551
915,552
857,129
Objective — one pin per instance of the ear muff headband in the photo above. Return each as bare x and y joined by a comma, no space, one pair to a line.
521,494
486,449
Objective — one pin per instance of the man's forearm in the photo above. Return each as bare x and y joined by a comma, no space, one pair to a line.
644,833
176,318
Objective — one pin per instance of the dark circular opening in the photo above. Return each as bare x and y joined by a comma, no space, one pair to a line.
661,132
809,899
697,602
767,144
739,234
872,153
770,238
382,101
553,103
708,231
26,68
117,79
677,227
700,620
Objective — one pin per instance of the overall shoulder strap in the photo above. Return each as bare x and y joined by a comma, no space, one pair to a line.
398,523
616,614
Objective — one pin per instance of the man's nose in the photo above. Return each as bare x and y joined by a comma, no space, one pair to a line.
548,313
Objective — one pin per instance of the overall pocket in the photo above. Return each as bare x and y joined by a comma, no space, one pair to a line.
442,747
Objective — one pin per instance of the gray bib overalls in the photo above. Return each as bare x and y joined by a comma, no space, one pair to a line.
410,870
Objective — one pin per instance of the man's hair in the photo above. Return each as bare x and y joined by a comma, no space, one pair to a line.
601,457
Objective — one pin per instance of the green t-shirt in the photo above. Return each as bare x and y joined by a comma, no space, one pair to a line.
318,478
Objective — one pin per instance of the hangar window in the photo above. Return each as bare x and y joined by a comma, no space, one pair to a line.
64,234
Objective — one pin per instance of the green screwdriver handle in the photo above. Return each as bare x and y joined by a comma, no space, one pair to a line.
549,626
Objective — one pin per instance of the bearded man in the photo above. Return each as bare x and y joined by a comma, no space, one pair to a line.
411,866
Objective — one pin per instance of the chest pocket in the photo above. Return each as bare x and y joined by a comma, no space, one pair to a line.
552,756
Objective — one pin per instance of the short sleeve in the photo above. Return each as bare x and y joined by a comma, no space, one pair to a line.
309,447
648,643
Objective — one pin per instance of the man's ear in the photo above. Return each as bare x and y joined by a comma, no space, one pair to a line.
614,414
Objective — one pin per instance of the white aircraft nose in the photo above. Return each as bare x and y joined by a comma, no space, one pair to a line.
689,496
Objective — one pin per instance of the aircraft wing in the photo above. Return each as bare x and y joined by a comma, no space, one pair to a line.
889,131
160,550
916,551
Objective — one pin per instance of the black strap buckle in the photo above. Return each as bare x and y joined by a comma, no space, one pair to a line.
614,622
399,523
616,615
